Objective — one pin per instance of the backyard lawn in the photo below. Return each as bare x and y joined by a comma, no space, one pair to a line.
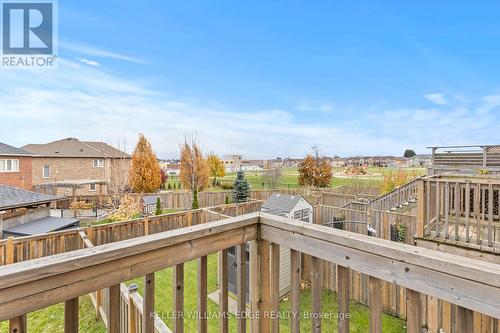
290,177
52,319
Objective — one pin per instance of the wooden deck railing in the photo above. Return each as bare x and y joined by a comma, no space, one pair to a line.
406,193
461,209
467,158
469,284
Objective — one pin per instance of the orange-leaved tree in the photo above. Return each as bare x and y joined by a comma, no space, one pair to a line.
145,172
194,174
216,167
315,170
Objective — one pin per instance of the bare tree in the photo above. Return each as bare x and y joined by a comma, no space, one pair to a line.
272,177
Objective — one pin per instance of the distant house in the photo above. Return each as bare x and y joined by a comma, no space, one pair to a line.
15,167
149,204
291,206
24,213
171,168
93,168
232,163
420,161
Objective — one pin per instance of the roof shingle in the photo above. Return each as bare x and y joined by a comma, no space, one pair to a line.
7,150
72,147
12,197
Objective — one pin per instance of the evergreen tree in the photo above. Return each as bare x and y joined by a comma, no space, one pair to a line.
409,153
158,206
241,190
195,205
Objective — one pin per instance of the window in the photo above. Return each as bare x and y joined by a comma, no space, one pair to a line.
297,215
92,187
305,215
98,163
9,165
46,171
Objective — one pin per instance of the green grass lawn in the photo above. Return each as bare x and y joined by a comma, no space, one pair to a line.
290,177
52,319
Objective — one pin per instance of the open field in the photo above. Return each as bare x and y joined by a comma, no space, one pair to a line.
291,176
51,319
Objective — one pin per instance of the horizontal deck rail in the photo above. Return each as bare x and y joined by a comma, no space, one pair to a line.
469,284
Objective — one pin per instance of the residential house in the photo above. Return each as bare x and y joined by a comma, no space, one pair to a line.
25,213
92,168
420,161
252,165
15,167
232,163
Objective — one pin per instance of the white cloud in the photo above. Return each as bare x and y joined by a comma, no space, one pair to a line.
438,99
313,107
89,103
89,62
97,52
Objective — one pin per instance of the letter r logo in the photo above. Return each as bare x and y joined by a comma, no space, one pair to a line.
27,27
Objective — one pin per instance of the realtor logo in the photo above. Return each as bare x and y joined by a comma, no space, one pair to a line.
29,33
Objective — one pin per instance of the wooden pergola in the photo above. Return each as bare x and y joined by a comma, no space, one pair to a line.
73,184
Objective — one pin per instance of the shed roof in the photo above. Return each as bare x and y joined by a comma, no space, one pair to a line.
42,226
279,204
13,197
72,147
150,199
7,150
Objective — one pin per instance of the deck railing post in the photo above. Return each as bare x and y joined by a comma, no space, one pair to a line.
316,275
223,291
114,309
255,286
422,219
132,311
71,316
265,276
295,290
178,286
241,277
413,311
148,304
18,324
343,298
202,295
275,287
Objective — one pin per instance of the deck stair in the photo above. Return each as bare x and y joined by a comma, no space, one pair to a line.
400,198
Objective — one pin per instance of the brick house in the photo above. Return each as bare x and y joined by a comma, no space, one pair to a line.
15,167
93,168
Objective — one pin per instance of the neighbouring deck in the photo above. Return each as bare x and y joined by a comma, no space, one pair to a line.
461,210
464,286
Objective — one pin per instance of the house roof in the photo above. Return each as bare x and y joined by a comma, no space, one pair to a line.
279,204
72,147
42,226
12,197
8,150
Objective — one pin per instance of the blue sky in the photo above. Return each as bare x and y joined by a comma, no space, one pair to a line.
265,79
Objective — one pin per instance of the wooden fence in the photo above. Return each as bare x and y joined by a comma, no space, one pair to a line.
32,247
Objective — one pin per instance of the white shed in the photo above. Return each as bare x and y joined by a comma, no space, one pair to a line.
294,207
